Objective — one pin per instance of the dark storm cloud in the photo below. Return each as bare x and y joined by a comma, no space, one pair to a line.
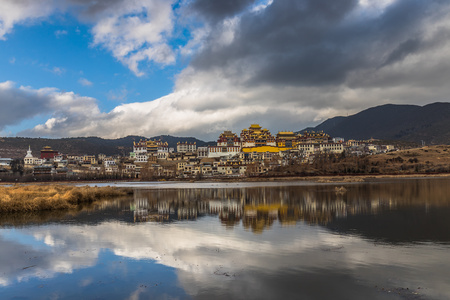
64,108
18,105
90,9
214,10
416,45
403,50
318,42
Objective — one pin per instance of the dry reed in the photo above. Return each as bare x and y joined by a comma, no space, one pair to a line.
26,198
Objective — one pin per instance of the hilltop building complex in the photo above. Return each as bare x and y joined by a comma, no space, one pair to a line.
232,155
254,151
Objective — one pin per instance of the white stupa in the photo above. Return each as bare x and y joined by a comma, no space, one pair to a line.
29,159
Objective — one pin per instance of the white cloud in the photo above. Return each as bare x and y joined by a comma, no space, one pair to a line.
195,43
84,82
58,70
133,31
16,12
137,32
260,6
201,106
60,33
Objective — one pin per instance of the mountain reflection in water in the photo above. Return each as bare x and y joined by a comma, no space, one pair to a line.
380,240
400,211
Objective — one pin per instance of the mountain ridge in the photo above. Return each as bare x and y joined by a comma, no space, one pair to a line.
16,147
412,123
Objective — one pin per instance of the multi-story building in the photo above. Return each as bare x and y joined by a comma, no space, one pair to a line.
219,151
74,159
202,152
314,137
111,169
163,150
44,170
228,139
155,146
335,148
150,146
144,148
287,139
186,147
306,149
354,143
207,169
228,144
48,153
255,136
89,159
5,161
140,147
129,169
109,162
181,165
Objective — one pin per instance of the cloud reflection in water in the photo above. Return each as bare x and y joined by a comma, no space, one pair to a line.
203,258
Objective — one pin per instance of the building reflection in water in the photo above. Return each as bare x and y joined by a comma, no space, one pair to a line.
259,208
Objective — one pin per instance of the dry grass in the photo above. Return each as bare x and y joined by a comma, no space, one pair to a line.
337,179
26,198
433,155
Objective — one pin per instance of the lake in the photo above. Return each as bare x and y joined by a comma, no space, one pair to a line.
386,239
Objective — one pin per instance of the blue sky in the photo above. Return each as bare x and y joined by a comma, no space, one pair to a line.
198,67
59,52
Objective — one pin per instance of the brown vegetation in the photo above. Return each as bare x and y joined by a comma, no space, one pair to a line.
26,198
425,160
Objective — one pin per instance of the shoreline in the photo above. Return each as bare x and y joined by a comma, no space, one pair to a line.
352,178
315,179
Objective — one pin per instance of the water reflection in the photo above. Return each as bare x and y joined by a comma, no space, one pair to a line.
252,243
361,208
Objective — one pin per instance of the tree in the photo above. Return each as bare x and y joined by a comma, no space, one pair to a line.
17,166
148,172
252,169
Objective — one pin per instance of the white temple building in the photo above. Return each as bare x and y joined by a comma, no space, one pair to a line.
29,159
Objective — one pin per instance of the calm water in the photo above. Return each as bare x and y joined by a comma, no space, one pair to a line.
380,240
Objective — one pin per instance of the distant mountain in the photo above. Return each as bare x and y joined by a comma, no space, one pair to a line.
17,147
412,123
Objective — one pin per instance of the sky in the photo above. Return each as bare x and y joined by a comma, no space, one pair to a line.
112,68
